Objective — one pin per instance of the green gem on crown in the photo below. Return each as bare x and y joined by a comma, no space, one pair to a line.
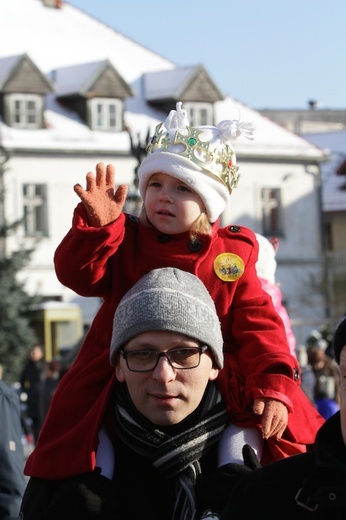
192,141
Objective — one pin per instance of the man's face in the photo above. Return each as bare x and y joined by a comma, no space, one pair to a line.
166,395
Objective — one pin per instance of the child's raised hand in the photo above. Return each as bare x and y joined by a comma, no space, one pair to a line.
274,417
102,204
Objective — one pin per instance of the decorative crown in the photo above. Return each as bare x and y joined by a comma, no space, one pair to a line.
217,160
217,163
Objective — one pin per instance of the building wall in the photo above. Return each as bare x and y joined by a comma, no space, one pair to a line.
60,173
299,257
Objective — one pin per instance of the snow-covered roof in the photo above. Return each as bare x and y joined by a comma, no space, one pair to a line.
72,79
55,38
171,84
59,38
165,84
270,139
6,66
333,191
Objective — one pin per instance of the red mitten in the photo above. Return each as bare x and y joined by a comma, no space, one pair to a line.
274,416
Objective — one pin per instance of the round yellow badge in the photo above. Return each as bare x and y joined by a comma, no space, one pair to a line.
228,267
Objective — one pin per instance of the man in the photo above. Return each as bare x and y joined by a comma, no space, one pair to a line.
165,419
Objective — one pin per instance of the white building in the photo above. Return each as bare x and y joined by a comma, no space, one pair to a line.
73,90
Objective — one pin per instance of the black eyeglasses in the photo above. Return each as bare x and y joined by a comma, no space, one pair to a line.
180,358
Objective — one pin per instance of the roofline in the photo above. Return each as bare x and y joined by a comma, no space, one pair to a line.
57,151
297,159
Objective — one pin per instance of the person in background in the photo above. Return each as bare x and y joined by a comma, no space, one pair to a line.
307,374
12,481
326,391
31,380
50,382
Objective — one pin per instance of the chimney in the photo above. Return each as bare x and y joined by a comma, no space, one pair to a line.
313,104
56,4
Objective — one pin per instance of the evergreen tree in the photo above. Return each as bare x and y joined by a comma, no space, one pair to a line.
16,335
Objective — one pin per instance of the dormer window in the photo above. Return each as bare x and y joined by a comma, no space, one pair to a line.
106,114
25,110
23,89
199,113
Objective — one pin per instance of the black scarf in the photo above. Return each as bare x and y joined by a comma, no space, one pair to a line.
174,451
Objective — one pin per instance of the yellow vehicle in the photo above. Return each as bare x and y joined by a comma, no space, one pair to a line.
58,326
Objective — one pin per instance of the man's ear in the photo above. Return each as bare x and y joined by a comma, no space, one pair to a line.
214,372
119,372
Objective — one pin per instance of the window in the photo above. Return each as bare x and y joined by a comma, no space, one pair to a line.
106,114
25,110
271,211
35,209
199,113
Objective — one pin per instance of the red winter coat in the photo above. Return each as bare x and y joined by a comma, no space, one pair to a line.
106,262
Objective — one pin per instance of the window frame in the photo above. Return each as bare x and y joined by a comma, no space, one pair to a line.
35,209
194,113
105,124
24,111
272,211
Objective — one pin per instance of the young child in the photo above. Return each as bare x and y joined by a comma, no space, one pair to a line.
185,183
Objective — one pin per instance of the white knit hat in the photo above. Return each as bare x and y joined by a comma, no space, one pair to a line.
172,300
201,157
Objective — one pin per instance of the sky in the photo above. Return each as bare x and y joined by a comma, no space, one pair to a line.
264,53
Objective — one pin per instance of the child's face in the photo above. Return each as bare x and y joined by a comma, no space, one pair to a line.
171,206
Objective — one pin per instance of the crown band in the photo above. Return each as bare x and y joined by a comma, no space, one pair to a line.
217,163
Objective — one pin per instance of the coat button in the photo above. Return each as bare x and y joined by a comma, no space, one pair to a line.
234,229
195,245
164,239
295,374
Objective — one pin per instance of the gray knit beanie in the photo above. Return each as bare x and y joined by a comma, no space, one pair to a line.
172,300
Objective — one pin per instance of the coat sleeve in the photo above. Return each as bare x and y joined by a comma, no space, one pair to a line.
82,258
